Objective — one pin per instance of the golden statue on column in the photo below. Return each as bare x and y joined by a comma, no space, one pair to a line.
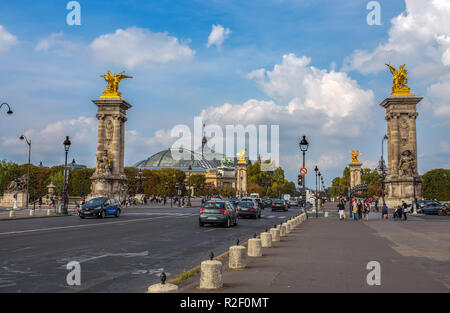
355,156
112,87
399,80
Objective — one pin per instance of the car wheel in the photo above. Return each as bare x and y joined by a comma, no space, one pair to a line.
228,223
200,224
101,214
236,222
118,213
82,216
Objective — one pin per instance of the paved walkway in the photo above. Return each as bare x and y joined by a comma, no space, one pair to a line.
327,255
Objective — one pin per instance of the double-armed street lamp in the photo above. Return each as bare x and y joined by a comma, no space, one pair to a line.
9,112
23,137
304,144
66,144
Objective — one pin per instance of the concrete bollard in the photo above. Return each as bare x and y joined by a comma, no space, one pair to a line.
254,247
237,257
326,214
282,230
288,227
163,288
12,214
49,212
275,232
266,240
31,212
211,275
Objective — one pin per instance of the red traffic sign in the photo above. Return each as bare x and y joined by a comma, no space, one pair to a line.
303,171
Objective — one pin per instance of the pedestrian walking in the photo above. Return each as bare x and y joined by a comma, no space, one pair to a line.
341,208
366,210
405,210
376,205
384,211
360,209
355,211
40,202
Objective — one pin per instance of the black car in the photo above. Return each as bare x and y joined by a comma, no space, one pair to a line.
248,209
432,207
279,205
218,212
100,207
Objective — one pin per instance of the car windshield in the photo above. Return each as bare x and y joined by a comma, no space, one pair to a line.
214,205
246,204
279,201
96,201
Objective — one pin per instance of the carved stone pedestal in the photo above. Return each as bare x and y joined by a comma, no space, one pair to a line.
241,178
401,117
355,174
109,178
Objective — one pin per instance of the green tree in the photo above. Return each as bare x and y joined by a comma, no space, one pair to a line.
436,184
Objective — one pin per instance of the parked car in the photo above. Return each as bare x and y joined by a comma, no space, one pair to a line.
248,209
100,207
279,205
218,212
430,207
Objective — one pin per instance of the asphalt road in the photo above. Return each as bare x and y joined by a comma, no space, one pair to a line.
125,254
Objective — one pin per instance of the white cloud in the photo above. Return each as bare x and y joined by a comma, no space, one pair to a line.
330,102
55,43
217,36
139,147
7,40
138,46
47,142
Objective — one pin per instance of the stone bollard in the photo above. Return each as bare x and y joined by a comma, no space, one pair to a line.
49,212
275,232
326,214
163,288
266,240
288,227
282,230
31,212
211,275
12,214
254,247
237,257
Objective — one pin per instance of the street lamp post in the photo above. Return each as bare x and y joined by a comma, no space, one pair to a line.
66,144
383,174
304,144
319,197
177,187
315,200
414,205
29,162
9,112
189,182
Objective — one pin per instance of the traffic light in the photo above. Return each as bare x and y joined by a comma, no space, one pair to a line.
300,180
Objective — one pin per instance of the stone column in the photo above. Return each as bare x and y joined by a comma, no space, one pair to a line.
109,176
355,174
241,187
401,117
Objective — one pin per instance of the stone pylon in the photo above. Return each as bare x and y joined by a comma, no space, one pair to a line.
109,178
401,117
355,174
241,178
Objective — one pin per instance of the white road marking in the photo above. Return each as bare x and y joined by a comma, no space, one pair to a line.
281,216
80,226
128,255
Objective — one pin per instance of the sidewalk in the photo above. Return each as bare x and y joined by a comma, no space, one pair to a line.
327,255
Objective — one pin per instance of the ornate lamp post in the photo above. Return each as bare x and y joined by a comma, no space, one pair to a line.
9,112
304,144
317,214
414,204
29,162
189,191
66,144
319,196
383,172
177,187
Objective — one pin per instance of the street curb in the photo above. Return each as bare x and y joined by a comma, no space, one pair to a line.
31,217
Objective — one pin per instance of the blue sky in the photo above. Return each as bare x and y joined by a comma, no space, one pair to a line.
313,67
